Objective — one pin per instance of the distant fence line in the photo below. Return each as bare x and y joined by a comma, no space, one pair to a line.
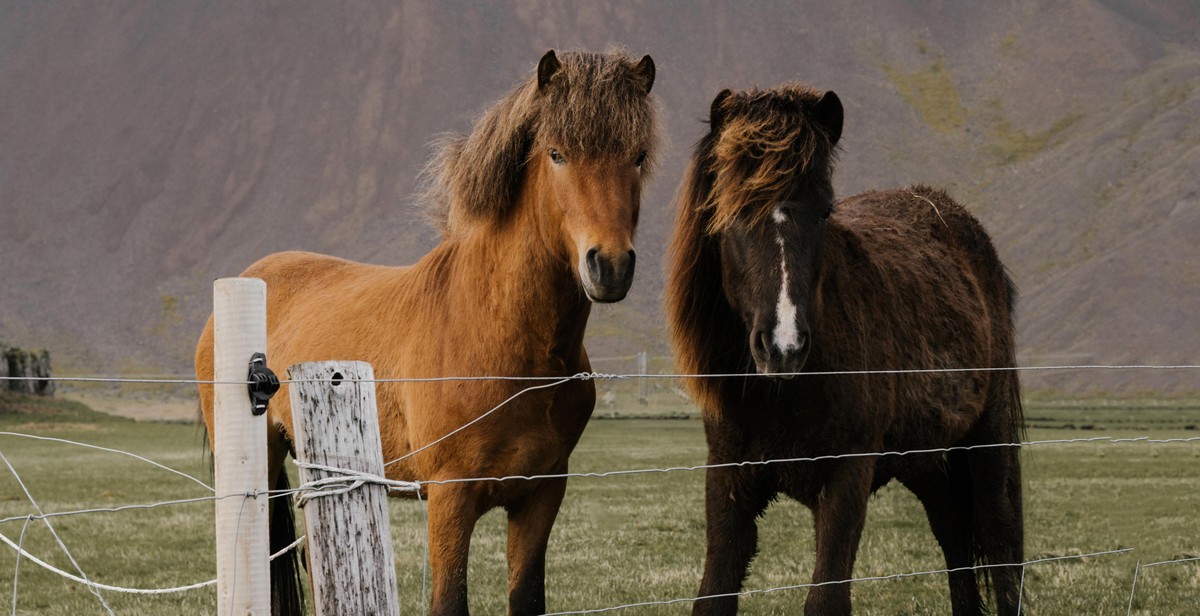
589,376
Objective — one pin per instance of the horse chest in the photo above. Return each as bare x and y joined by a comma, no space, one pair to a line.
800,430
530,434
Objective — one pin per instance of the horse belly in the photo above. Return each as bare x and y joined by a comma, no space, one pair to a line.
936,409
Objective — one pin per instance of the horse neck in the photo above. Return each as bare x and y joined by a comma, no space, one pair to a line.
522,292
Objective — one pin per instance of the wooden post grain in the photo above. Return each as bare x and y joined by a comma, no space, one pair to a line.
240,450
351,565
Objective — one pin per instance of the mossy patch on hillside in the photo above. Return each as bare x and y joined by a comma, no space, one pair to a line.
1009,46
934,95
1010,144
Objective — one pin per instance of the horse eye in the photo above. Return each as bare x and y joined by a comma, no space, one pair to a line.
640,159
825,216
556,157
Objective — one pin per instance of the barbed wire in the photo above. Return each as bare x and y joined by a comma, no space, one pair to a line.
50,527
409,485
82,578
597,375
17,568
92,584
349,481
1174,561
746,463
1138,567
117,509
476,420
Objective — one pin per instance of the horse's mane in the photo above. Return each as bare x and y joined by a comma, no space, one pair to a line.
758,144
596,105
766,140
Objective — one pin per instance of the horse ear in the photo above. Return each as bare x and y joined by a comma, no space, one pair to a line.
645,69
828,114
715,113
547,66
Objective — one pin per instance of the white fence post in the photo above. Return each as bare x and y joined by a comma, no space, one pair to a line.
643,369
351,565
240,449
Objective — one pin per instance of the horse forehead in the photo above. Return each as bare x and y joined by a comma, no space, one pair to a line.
601,118
597,136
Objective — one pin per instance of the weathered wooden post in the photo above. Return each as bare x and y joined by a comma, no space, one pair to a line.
240,449
351,566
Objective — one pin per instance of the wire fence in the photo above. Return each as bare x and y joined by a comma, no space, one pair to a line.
343,481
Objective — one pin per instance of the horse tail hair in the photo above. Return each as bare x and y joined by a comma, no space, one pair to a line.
206,454
1013,394
997,528
287,585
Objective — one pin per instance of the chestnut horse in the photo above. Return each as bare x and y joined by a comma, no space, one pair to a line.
538,207
767,274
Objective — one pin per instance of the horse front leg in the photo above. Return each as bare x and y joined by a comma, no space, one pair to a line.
839,516
733,500
529,525
453,511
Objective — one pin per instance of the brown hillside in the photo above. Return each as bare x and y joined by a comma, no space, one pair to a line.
148,149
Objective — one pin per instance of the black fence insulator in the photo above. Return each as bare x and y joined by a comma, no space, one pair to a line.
262,384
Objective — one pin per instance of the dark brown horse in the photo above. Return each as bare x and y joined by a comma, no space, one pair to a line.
767,273
538,207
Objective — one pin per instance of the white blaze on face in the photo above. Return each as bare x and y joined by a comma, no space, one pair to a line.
787,338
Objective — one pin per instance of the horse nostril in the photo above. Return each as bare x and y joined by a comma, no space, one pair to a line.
609,275
762,345
593,263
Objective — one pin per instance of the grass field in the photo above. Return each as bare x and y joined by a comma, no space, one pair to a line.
630,539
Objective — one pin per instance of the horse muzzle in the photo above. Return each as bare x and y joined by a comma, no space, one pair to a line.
776,360
606,279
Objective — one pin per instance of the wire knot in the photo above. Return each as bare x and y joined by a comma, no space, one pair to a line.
342,481
590,376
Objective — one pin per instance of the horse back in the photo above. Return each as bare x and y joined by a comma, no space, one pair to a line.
911,281
406,322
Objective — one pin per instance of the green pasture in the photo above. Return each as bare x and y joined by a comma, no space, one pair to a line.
629,539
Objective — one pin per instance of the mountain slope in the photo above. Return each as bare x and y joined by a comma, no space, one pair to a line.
148,149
